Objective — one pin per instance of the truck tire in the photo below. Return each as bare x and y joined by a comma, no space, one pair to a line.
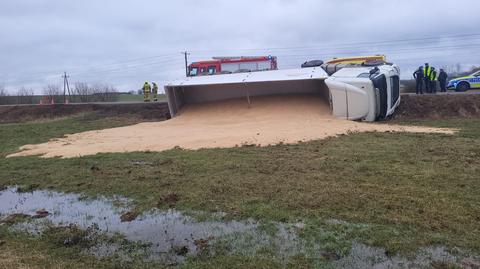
462,87
313,63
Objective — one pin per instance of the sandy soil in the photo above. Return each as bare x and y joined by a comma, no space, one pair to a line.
268,120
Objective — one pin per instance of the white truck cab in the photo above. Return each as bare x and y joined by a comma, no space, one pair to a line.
365,93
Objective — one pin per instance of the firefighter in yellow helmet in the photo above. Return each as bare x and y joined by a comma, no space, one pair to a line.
155,91
146,92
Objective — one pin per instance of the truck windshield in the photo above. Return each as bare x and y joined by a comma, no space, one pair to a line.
380,82
193,71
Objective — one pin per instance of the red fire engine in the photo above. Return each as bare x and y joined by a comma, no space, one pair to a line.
228,65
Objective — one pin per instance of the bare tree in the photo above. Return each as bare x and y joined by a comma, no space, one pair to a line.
458,68
110,93
95,93
25,96
83,91
53,92
3,91
3,95
104,93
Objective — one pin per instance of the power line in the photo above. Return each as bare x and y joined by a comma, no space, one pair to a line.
390,51
171,55
145,62
121,69
369,42
331,45
128,67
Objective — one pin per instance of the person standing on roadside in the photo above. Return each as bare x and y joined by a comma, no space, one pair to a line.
154,91
419,77
146,92
427,70
433,81
442,79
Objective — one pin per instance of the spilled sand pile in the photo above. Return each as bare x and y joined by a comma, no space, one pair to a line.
268,120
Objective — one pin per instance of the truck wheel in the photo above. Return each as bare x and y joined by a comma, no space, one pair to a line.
463,87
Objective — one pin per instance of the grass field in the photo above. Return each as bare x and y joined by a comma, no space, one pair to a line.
406,191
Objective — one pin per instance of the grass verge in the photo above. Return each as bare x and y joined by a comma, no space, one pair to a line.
410,190
14,135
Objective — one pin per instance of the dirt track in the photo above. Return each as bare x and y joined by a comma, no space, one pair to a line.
269,120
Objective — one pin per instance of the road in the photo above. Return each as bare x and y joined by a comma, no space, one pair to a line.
476,91
93,103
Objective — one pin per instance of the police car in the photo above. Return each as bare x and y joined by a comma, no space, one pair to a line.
465,83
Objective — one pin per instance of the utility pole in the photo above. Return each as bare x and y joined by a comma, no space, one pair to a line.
65,87
186,61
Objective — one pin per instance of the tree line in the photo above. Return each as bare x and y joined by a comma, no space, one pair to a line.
81,92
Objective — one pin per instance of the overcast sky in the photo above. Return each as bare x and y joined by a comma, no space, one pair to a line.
124,43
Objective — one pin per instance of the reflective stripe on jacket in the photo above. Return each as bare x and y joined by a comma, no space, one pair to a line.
146,88
427,71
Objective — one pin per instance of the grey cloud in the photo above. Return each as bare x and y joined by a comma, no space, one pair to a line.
42,38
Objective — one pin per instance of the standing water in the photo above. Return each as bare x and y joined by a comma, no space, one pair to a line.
166,232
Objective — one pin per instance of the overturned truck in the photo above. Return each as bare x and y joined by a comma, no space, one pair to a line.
353,91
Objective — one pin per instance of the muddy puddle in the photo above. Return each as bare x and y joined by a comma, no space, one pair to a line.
171,236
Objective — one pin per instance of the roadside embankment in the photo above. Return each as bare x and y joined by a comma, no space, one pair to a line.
438,106
411,107
23,113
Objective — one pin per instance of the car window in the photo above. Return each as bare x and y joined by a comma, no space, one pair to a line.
364,75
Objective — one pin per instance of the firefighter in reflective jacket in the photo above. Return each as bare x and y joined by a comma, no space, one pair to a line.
146,92
427,70
154,91
433,81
